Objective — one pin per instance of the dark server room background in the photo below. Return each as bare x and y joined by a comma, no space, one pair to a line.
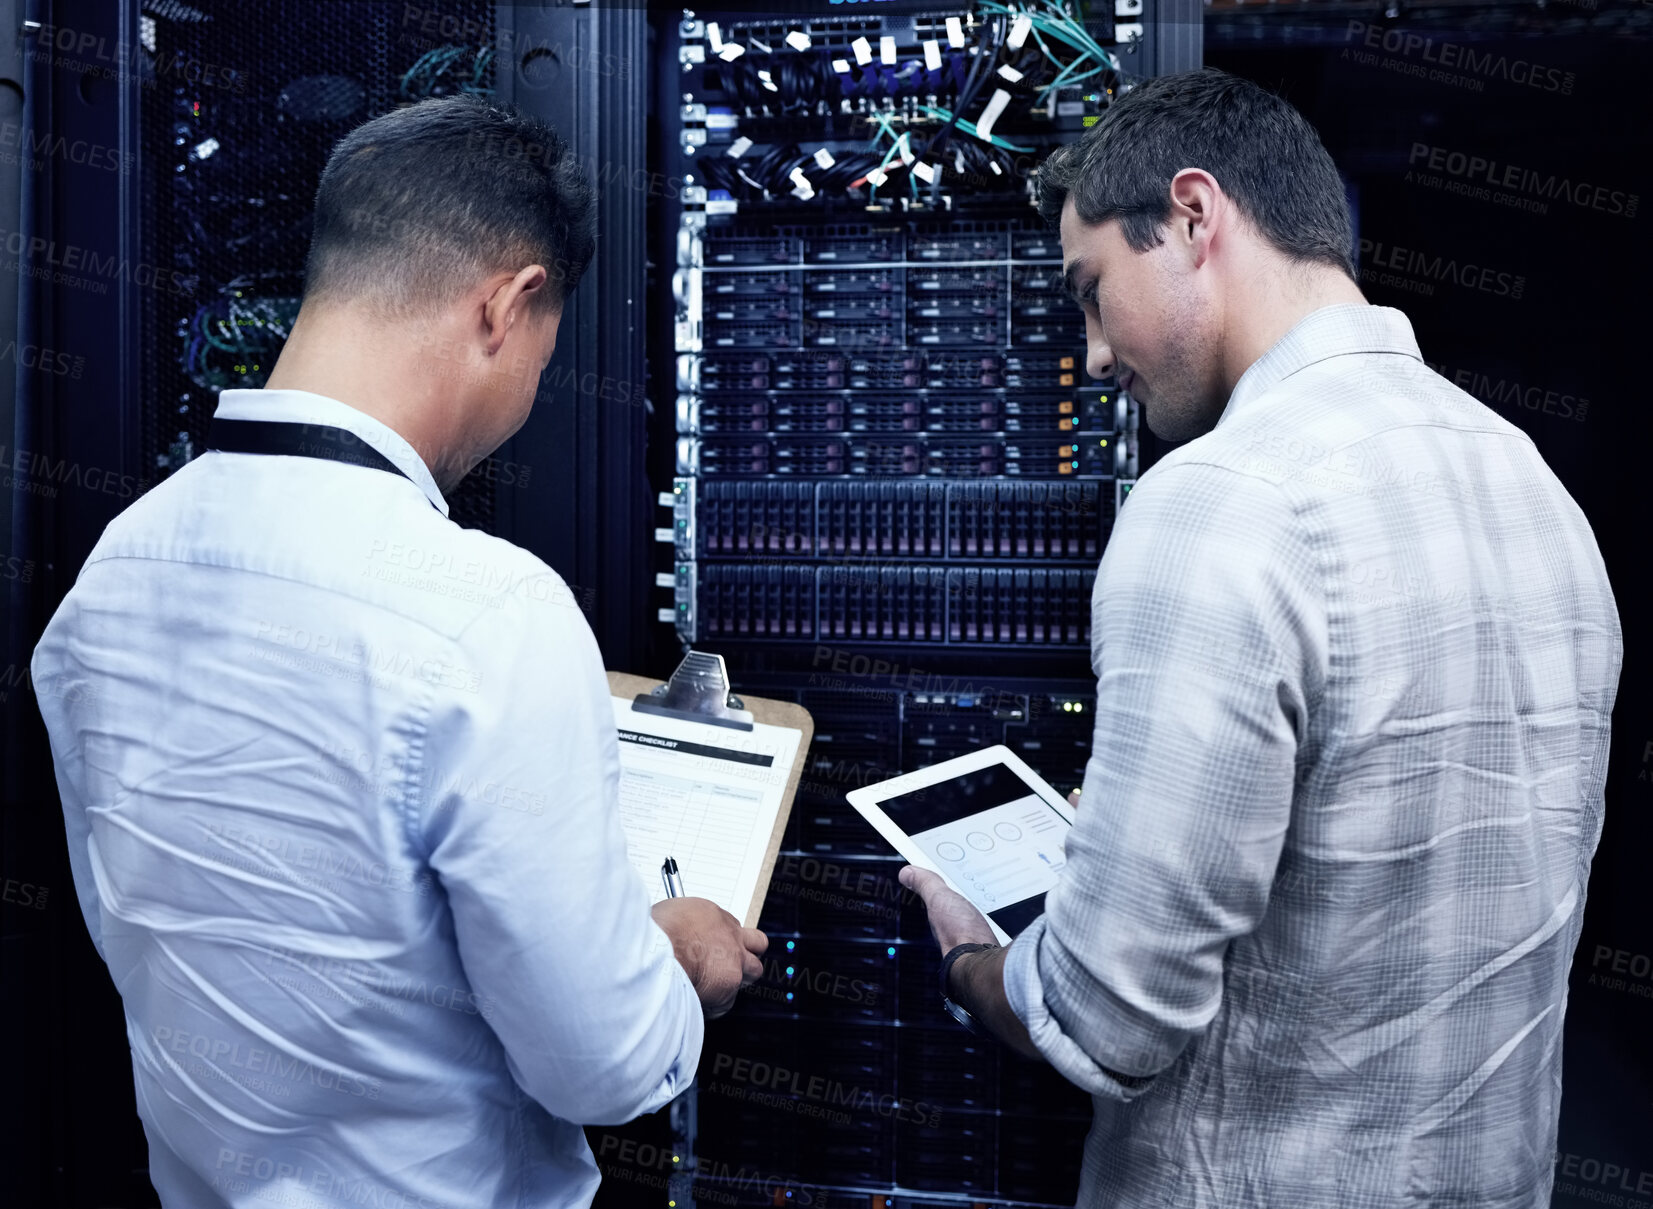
828,420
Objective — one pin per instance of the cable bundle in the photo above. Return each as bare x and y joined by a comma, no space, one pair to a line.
785,83
234,340
449,69
876,80
1024,55
1081,57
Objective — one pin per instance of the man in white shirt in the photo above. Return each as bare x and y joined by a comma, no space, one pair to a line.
1356,656
339,777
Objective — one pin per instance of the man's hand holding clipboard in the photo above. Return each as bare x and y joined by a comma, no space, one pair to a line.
704,950
708,778
717,954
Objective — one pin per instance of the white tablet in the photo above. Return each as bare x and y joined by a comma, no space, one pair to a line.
986,822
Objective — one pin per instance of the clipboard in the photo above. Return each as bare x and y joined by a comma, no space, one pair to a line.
678,728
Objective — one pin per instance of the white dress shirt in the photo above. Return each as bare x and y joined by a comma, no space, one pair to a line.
1356,655
340,785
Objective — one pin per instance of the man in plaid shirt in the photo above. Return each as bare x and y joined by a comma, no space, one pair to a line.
1356,655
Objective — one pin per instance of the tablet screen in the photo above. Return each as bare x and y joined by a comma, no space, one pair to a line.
998,841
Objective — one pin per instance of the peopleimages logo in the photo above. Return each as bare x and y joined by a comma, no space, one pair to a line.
36,472
44,254
1436,55
1477,171
1511,393
94,55
781,1082
31,145
1606,1183
1414,270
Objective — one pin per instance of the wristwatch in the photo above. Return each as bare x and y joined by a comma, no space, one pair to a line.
958,1011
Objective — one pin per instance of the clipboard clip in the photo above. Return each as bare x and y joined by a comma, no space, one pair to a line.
697,692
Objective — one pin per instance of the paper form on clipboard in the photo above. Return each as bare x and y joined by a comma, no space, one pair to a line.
709,796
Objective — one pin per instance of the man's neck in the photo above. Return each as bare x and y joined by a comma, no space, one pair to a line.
1277,299
387,379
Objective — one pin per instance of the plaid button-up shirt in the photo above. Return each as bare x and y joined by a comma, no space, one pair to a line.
1356,654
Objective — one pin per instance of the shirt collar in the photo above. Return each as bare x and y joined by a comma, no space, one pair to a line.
1331,331
305,407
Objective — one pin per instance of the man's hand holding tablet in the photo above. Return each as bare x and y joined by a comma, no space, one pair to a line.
985,837
986,823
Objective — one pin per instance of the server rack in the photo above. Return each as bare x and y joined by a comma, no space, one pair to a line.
886,482
222,201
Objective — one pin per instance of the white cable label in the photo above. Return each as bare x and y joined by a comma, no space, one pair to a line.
924,172
995,107
863,51
731,51
886,49
840,66
955,33
739,147
798,40
823,157
1018,31
878,176
714,36
932,55
1009,72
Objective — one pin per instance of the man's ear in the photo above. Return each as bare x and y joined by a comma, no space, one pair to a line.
509,301
1198,208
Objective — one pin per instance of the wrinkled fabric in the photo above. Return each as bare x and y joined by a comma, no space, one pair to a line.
1356,654
340,785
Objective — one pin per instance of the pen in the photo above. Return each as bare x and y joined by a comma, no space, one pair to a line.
673,879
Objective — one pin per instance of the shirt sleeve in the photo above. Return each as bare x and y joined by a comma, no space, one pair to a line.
598,1020
61,689
1208,639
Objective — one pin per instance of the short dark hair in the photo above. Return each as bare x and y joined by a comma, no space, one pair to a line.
420,202
1262,152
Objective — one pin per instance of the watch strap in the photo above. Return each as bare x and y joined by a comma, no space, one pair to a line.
953,954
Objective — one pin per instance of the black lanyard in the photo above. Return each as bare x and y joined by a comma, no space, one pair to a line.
300,441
